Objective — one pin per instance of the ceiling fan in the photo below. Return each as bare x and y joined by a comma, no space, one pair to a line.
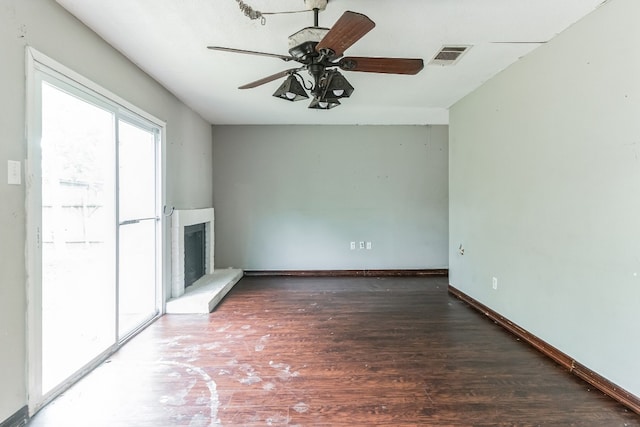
319,51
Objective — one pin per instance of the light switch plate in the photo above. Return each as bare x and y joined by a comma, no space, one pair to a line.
14,173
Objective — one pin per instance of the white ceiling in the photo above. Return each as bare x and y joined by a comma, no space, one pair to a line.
168,39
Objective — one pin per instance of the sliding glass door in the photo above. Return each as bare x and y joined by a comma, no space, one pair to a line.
78,233
94,228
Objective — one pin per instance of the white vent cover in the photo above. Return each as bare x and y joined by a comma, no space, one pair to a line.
449,55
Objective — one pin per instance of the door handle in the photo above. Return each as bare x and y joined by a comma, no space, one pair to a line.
136,221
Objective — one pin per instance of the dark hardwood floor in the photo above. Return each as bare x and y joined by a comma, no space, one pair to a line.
331,352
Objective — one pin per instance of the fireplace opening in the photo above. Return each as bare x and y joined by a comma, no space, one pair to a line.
194,253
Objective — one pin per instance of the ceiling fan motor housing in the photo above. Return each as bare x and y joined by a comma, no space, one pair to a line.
302,44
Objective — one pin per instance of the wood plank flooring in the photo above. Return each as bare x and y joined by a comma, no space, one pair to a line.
331,352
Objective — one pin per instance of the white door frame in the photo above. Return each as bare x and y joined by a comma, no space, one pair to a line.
37,63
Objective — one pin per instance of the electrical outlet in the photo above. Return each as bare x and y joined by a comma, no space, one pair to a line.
353,246
361,245
368,245
494,283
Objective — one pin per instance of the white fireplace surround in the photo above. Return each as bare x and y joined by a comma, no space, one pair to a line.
179,220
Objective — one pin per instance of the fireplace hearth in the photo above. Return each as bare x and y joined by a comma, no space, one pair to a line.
195,286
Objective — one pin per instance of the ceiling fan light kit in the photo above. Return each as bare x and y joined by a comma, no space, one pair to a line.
330,88
291,89
337,86
319,51
318,104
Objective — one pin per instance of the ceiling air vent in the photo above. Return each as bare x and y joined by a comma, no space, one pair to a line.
449,55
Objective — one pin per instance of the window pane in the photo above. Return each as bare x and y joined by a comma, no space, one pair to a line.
137,172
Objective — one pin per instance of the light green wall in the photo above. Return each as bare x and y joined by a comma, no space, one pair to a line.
45,26
294,197
545,192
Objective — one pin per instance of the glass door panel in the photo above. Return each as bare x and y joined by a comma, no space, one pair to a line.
138,255
137,292
78,234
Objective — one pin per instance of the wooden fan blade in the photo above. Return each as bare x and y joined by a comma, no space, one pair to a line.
251,52
346,31
381,65
268,79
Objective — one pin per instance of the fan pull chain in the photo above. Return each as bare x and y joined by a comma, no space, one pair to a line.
251,13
